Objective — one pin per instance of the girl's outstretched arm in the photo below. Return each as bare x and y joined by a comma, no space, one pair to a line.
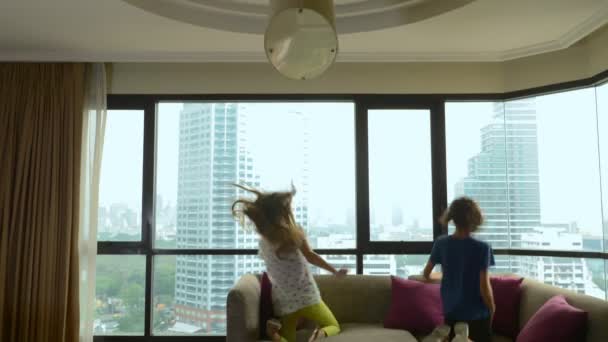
318,261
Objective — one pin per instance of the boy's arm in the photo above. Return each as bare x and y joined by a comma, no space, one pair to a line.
434,259
427,270
486,292
318,261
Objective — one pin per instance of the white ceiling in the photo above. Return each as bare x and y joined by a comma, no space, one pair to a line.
112,30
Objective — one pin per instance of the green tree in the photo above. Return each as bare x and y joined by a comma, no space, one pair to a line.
108,285
132,296
132,322
164,277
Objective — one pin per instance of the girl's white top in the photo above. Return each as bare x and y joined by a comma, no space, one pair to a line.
293,286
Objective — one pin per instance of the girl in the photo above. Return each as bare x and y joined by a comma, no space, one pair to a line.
284,249
465,284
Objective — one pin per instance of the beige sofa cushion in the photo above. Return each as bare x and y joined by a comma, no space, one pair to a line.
356,299
355,332
535,294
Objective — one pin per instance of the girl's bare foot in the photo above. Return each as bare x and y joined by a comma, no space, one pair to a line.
318,334
272,330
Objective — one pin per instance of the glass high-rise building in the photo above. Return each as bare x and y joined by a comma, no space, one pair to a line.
504,177
214,153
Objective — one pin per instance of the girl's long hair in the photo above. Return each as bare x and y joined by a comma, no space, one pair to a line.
272,217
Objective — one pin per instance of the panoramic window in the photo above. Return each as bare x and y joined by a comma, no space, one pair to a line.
537,166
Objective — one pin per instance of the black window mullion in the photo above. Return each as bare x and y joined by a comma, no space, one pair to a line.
438,167
398,247
120,247
147,219
148,175
362,181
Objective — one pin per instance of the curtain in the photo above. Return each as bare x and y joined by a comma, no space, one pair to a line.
41,129
94,121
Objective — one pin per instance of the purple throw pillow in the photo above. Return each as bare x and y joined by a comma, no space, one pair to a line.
415,306
555,321
266,310
507,296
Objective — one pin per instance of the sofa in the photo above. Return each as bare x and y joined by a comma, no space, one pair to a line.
360,304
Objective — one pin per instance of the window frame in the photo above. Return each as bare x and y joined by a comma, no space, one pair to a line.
435,103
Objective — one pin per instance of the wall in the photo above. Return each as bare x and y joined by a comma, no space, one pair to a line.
598,54
341,78
583,59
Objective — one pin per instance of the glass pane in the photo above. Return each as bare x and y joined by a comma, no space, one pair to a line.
476,163
205,147
602,114
120,188
400,265
119,293
585,276
401,207
554,179
547,146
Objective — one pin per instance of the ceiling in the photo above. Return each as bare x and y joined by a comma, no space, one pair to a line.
116,31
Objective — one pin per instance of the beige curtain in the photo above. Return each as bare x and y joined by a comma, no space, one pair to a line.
41,129
94,122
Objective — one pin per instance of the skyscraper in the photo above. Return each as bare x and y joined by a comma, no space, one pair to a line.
214,153
211,158
504,178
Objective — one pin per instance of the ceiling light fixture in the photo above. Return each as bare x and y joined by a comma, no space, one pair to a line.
301,41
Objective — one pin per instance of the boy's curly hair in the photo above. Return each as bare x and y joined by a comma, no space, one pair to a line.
465,213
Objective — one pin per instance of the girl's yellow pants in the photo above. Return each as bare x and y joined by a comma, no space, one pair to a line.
318,313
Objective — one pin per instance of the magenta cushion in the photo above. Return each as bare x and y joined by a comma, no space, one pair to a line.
555,321
415,306
266,310
507,296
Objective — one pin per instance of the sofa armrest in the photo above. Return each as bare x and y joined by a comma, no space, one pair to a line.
242,310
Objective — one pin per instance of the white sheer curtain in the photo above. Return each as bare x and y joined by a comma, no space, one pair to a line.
92,146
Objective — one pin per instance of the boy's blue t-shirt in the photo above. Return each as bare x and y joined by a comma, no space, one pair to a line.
461,262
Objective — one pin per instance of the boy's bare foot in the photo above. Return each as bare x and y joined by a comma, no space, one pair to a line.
318,334
272,330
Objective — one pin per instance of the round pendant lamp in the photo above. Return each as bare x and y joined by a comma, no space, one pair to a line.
301,41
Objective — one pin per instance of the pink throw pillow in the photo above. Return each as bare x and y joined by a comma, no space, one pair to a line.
266,309
555,321
415,306
507,296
